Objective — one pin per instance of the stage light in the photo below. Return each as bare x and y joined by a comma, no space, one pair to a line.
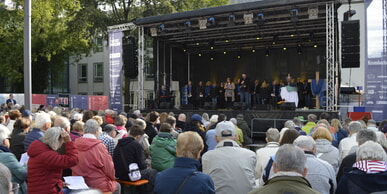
348,14
153,32
292,35
239,55
187,25
299,49
284,48
315,45
225,52
185,48
200,54
211,22
231,20
226,41
248,18
212,57
313,13
294,15
197,43
212,45
275,39
161,28
202,23
253,50
267,52
260,19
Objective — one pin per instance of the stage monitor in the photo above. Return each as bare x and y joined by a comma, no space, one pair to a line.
350,44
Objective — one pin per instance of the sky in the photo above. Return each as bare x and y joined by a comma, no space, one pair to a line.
375,29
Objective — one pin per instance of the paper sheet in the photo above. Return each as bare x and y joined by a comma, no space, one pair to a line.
75,182
24,158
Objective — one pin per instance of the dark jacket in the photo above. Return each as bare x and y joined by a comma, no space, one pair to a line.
242,124
47,165
184,167
285,184
132,152
17,142
180,124
194,127
341,134
347,162
359,182
265,92
214,92
245,85
35,134
150,131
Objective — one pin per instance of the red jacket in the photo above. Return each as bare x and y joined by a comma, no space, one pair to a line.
95,165
45,167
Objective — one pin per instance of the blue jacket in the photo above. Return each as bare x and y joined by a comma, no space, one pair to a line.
357,181
19,173
168,181
35,134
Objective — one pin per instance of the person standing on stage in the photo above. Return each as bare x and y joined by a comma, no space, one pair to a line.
307,93
275,93
300,88
245,90
229,88
264,92
199,94
214,95
190,92
256,89
221,96
10,100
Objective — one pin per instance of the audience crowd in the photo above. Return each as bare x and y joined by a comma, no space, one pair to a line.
201,154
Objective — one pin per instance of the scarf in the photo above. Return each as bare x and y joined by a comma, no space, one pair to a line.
371,166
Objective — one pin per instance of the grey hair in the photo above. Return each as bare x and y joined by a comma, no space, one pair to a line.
41,119
365,135
141,123
182,117
5,179
289,124
354,126
273,135
290,158
53,138
305,142
62,122
297,121
382,140
312,118
92,126
3,135
370,151
205,116
371,122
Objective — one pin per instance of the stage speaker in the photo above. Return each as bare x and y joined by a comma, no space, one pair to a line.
208,105
129,57
165,105
262,107
239,105
350,44
186,107
288,106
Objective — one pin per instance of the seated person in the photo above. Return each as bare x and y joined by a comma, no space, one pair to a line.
128,151
163,148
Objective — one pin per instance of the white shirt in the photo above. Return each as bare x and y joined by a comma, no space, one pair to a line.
346,144
263,156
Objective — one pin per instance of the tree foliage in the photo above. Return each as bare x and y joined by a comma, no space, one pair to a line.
65,28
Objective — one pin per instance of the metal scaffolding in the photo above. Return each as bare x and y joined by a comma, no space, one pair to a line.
331,65
141,72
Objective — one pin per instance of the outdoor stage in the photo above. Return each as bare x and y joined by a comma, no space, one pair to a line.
258,120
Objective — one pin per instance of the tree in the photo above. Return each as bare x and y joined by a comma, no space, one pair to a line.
56,34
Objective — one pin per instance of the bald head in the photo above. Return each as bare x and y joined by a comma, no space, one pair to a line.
182,117
62,122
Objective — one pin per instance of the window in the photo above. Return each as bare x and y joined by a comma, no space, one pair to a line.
98,72
82,73
98,47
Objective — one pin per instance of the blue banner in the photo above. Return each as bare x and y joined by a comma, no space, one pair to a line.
79,101
115,70
52,100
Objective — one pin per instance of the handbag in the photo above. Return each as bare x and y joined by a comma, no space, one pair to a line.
134,173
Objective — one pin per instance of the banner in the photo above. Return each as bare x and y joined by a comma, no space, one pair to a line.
52,100
79,101
38,99
98,102
115,70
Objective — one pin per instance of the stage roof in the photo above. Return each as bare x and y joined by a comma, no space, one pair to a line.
288,23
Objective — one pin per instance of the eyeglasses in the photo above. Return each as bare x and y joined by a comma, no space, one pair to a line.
15,188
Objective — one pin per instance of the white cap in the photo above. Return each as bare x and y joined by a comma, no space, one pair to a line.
225,129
